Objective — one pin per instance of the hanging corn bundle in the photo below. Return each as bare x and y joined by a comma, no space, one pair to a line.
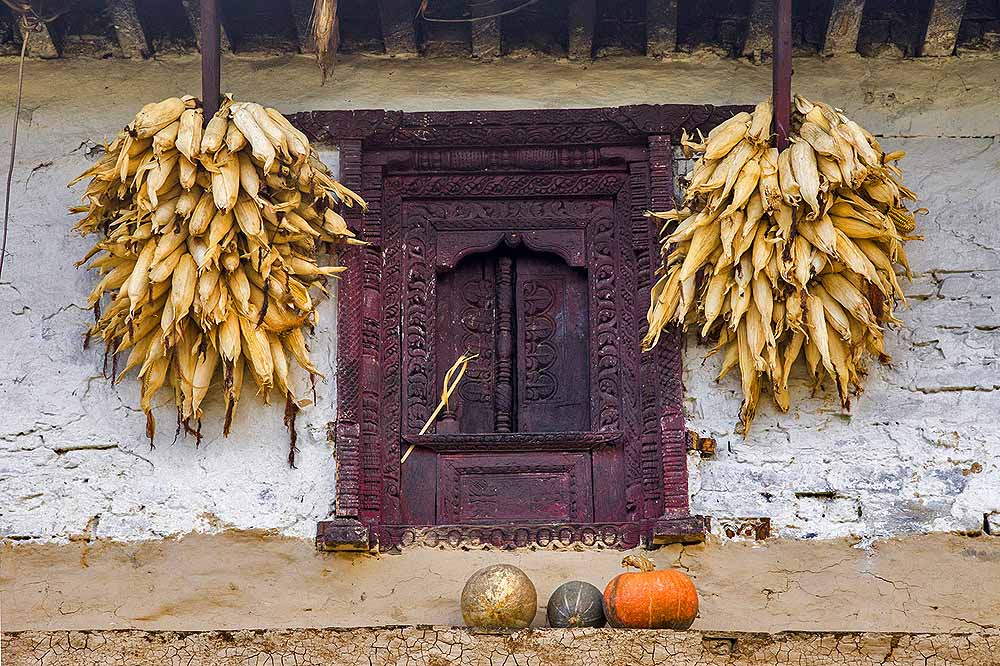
209,251
786,254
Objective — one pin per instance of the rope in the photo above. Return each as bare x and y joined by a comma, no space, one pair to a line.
422,13
449,387
30,21
13,150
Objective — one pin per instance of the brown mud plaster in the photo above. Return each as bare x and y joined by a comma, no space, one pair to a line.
442,646
238,580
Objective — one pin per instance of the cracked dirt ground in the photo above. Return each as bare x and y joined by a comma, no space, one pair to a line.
441,646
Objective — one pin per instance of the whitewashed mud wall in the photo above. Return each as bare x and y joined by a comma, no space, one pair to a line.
920,451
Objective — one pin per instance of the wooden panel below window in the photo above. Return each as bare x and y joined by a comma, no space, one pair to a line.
521,486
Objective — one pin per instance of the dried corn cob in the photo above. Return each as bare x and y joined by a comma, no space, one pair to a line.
789,254
209,250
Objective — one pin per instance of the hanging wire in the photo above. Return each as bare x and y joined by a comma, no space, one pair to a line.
422,12
30,21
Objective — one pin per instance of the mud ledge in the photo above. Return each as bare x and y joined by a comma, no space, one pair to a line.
446,645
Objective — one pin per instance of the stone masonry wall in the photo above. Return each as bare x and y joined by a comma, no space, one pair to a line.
918,453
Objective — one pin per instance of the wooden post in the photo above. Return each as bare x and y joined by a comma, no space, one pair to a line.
485,34
942,27
582,14
781,81
843,28
760,25
128,28
211,56
661,27
398,34
41,44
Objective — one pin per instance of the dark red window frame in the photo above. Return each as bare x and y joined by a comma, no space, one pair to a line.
385,155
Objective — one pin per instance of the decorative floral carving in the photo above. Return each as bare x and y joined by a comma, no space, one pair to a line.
553,188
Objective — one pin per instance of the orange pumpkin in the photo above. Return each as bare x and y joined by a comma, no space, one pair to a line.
650,599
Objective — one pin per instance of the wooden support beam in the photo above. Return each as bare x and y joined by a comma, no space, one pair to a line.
942,28
40,44
398,34
485,33
301,13
582,16
781,71
131,36
843,27
759,28
211,68
661,27
193,10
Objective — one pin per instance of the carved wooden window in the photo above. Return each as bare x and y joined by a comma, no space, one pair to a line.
519,236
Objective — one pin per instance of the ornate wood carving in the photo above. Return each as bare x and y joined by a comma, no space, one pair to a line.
549,486
554,536
571,182
530,131
516,441
504,400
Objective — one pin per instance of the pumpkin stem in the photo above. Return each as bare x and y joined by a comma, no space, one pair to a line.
640,562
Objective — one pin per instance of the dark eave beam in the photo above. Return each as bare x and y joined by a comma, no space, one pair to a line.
193,10
781,71
942,28
485,34
661,27
759,28
582,18
40,44
843,27
398,34
128,29
301,13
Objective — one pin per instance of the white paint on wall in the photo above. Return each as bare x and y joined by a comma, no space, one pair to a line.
919,452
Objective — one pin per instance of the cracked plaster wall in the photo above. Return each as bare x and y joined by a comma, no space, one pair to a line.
918,453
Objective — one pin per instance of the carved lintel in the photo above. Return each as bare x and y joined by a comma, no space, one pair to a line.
686,529
942,27
703,445
843,28
572,129
342,534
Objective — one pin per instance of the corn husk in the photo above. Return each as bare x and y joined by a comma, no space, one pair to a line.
200,279
786,255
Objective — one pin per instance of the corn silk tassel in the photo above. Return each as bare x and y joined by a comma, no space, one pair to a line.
450,383
777,256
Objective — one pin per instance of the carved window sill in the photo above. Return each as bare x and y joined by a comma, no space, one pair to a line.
348,535
493,442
